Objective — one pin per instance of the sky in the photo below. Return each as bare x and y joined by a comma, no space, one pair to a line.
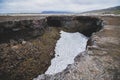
37,6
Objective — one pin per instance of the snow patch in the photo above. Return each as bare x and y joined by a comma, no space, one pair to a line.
67,48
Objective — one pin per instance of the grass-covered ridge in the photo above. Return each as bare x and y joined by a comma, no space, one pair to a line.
111,10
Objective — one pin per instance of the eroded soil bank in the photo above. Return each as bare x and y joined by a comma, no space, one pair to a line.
27,45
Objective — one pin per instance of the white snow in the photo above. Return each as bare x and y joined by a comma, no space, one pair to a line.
67,48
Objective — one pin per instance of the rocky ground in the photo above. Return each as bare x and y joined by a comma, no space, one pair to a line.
28,52
101,60
22,60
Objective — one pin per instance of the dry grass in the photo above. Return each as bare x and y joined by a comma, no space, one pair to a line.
25,61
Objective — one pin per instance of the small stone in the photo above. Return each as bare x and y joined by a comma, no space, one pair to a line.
15,47
51,54
58,55
23,42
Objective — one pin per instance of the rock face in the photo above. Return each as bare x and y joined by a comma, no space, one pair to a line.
27,47
21,29
101,59
76,23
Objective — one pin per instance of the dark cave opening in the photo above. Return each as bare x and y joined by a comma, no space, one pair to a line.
84,25
54,22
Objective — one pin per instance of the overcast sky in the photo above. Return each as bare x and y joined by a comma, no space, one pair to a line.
37,6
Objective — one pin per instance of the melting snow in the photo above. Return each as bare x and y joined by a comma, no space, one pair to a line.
67,48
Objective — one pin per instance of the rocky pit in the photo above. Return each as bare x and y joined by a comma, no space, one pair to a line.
27,46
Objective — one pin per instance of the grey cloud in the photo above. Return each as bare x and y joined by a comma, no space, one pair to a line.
59,5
